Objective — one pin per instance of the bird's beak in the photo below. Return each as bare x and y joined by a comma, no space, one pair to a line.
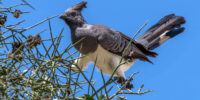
63,16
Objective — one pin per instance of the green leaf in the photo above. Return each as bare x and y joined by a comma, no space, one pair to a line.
88,97
101,97
2,73
121,98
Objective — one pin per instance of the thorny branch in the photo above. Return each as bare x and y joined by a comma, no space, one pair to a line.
35,67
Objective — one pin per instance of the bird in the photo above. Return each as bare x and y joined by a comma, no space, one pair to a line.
112,51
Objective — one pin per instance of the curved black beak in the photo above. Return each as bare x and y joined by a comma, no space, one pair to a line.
63,16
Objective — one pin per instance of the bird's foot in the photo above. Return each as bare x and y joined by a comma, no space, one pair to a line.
122,81
129,86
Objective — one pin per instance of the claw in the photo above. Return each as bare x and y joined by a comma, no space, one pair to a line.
122,81
129,86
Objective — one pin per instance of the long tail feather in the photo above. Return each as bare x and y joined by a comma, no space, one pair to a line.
166,28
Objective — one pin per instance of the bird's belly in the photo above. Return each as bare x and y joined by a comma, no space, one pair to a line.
102,59
106,62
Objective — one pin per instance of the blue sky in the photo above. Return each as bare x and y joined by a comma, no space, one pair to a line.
175,72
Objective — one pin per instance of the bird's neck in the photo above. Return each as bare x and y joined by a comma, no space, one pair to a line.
74,25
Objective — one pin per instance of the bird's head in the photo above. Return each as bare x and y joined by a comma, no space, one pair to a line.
73,14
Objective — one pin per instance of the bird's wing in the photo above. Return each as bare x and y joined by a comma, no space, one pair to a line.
117,43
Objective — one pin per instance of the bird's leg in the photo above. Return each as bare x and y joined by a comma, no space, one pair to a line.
120,76
129,85
121,79
81,62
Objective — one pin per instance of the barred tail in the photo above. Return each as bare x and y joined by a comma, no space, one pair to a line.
168,27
